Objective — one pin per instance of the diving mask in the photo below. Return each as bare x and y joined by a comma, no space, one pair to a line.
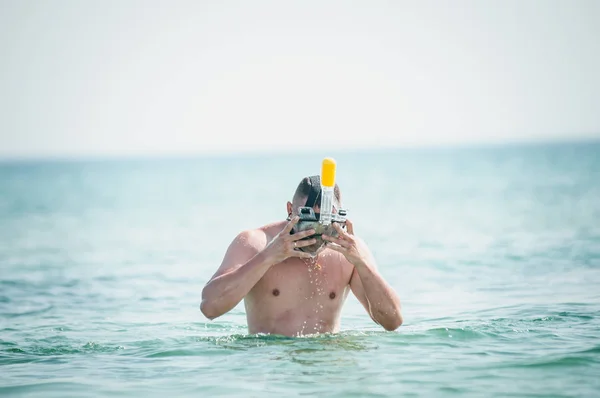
310,220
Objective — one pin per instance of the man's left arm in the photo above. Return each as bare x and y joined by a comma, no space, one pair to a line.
377,296
370,288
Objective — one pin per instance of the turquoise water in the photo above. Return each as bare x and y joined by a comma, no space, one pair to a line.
495,253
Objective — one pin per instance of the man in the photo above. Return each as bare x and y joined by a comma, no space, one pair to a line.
286,291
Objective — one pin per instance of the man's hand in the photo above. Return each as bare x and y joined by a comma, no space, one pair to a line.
284,244
348,244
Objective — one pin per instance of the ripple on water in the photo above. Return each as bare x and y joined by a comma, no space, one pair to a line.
29,312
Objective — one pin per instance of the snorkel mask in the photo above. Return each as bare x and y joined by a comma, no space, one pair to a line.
321,222
310,220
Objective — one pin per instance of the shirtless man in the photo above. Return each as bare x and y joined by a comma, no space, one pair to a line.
285,290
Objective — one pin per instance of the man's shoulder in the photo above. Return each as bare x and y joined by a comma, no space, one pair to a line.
257,238
250,237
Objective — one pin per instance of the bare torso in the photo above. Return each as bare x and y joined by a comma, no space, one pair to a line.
296,296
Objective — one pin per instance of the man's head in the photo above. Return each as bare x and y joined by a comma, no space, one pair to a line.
310,187
308,194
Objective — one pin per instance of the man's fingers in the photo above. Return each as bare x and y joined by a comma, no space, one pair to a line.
303,234
291,224
337,241
340,230
303,243
349,227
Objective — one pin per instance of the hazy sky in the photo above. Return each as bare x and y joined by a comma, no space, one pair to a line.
116,77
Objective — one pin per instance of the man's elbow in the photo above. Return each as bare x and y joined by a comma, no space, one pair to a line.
393,323
208,309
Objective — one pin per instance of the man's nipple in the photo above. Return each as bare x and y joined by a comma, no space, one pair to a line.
275,292
332,295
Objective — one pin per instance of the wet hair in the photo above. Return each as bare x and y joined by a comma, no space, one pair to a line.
307,185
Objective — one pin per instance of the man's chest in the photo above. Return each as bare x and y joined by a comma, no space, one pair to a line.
299,280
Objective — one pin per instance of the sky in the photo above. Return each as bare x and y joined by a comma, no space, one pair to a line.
110,77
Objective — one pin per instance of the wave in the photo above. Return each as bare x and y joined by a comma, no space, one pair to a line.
39,311
14,353
567,361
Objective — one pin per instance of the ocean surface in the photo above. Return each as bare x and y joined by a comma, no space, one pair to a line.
494,251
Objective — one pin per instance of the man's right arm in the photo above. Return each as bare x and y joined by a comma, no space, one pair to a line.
242,267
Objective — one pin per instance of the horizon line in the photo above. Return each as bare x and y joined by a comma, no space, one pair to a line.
258,152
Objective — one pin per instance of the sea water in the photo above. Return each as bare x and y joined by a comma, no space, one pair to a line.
494,252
